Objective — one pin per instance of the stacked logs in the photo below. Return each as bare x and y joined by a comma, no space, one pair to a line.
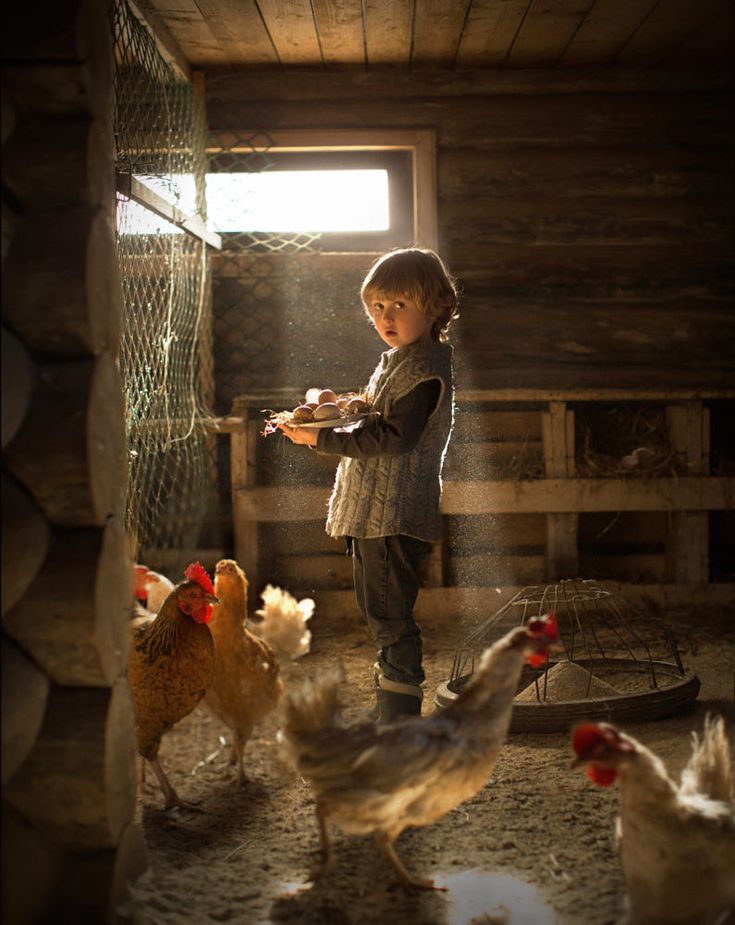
70,843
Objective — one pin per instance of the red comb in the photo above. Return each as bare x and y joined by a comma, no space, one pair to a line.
196,572
584,737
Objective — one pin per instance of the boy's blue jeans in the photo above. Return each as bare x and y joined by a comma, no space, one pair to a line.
386,573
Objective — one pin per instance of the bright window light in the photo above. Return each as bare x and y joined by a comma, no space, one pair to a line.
298,200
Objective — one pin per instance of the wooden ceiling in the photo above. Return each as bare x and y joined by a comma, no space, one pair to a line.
454,34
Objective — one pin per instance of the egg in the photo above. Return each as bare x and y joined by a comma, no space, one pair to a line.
326,411
311,404
327,396
312,395
303,414
357,406
342,403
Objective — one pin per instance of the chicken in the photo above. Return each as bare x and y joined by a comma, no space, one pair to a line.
246,684
677,843
284,622
382,779
151,588
170,665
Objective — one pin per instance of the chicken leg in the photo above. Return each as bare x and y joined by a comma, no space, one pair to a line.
172,797
385,843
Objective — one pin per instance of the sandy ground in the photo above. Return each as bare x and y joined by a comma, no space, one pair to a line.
534,847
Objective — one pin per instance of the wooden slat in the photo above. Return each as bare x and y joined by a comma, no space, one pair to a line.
387,32
606,28
620,221
167,46
547,29
340,28
197,29
489,31
437,27
292,30
150,199
508,497
668,25
654,172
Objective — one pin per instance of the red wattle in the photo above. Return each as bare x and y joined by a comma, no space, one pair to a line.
203,615
536,659
603,777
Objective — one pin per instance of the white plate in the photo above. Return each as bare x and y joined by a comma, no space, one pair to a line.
332,422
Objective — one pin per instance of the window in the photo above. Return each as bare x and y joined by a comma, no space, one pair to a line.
360,190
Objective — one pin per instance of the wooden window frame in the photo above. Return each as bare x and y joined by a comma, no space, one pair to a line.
421,143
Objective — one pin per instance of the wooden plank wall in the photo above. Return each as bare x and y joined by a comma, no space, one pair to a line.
590,221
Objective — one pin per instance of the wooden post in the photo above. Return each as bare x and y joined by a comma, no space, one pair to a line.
24,694
243,449
562,556
687,552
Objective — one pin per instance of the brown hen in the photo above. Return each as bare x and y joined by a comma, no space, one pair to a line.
246,684
170,665
382,779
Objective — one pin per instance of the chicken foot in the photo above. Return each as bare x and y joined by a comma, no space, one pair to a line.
406,880
172,797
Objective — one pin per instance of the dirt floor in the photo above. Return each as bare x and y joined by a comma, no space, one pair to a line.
534,847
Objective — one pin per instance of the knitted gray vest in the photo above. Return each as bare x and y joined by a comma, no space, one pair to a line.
388,495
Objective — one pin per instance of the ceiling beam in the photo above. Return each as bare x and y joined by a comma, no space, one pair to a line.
165,42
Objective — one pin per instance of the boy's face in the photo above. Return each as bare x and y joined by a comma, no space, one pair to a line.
398,320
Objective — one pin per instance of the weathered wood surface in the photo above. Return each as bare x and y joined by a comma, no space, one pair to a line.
78,783
76,420
74,618
24,694
568,495
61,164
25,541
58,57
61,287
18,379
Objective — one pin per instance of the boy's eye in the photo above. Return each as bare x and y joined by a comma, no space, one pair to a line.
400,304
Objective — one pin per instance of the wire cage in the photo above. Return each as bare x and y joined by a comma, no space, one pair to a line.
616,663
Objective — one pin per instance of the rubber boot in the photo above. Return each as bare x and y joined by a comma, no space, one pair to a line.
394,699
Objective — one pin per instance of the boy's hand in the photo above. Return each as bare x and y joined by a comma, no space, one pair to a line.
301,435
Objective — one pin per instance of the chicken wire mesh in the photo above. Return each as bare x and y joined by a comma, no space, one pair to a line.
616,663
166,353
248,282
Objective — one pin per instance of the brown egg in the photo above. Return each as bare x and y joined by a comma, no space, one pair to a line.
311,404
342,403
357,406
326,411
303,414
327,396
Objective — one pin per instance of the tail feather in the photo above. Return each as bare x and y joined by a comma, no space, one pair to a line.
709,770
312,706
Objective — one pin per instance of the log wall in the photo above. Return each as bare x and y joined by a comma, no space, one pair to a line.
70,843
589,221
589,218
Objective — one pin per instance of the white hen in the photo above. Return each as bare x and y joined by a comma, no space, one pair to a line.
677,843
152,588
283,623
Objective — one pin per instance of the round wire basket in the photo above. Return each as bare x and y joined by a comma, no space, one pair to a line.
617,663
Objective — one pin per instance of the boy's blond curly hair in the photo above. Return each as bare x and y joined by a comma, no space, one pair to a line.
419,274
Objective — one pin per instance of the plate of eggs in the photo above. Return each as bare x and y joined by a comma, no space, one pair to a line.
323,408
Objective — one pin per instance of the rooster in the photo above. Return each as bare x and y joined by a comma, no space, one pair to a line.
382,779
151,588
170,665
677,843
283,623
246,684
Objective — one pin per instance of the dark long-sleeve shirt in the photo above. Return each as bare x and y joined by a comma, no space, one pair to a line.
385,435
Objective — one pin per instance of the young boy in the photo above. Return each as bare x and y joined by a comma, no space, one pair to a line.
385,500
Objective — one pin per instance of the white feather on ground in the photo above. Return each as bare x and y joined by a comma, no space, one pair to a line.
284,622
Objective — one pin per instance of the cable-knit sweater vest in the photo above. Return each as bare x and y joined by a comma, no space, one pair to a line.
390,495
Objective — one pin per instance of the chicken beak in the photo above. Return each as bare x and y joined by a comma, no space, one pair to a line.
211,599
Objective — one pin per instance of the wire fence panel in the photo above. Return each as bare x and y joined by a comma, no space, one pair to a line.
166,355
